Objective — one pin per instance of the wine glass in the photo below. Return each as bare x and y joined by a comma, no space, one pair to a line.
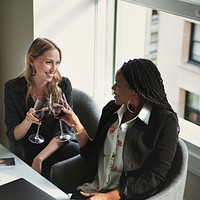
57,104
41,106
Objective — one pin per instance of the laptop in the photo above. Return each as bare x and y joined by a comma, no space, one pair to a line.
21,189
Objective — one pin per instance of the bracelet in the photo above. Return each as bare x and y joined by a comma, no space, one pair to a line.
81,131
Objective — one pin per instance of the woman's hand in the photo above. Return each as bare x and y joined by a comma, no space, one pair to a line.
22,128
31,118
112,195
71,119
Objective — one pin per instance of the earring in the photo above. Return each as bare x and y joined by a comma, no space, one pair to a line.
128,106
33,71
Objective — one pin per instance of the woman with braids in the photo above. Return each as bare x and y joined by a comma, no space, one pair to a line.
40,77
136,139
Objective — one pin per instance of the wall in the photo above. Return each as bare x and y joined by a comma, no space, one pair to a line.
16,33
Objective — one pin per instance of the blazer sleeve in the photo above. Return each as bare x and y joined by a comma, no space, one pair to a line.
92,148
14,111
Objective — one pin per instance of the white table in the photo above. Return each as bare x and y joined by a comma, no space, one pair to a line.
22,170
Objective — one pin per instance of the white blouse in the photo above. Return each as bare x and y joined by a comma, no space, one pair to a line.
110,165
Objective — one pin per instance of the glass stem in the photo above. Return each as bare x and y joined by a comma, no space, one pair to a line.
37,134
61,128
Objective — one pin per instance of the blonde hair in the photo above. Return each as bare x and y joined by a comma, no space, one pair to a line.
38,47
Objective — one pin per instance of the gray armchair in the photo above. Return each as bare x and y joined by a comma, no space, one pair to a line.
87,110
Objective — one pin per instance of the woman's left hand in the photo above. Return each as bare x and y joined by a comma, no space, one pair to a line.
71,119
112,195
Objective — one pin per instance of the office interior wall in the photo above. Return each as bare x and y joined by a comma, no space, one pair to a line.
16,33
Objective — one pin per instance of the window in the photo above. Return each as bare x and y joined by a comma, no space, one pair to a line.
153,45
155,17
195,44
192,108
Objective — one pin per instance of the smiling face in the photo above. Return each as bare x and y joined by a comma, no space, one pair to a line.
46,66
121,89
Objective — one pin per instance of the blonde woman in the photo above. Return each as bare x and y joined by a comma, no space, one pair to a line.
40,77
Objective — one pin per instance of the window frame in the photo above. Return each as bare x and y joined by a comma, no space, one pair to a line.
192,41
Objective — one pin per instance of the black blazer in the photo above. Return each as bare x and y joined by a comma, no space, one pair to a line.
16,106
147,153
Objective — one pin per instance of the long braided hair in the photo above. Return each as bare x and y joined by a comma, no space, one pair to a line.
143,76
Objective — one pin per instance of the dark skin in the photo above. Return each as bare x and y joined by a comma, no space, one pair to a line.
123,94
